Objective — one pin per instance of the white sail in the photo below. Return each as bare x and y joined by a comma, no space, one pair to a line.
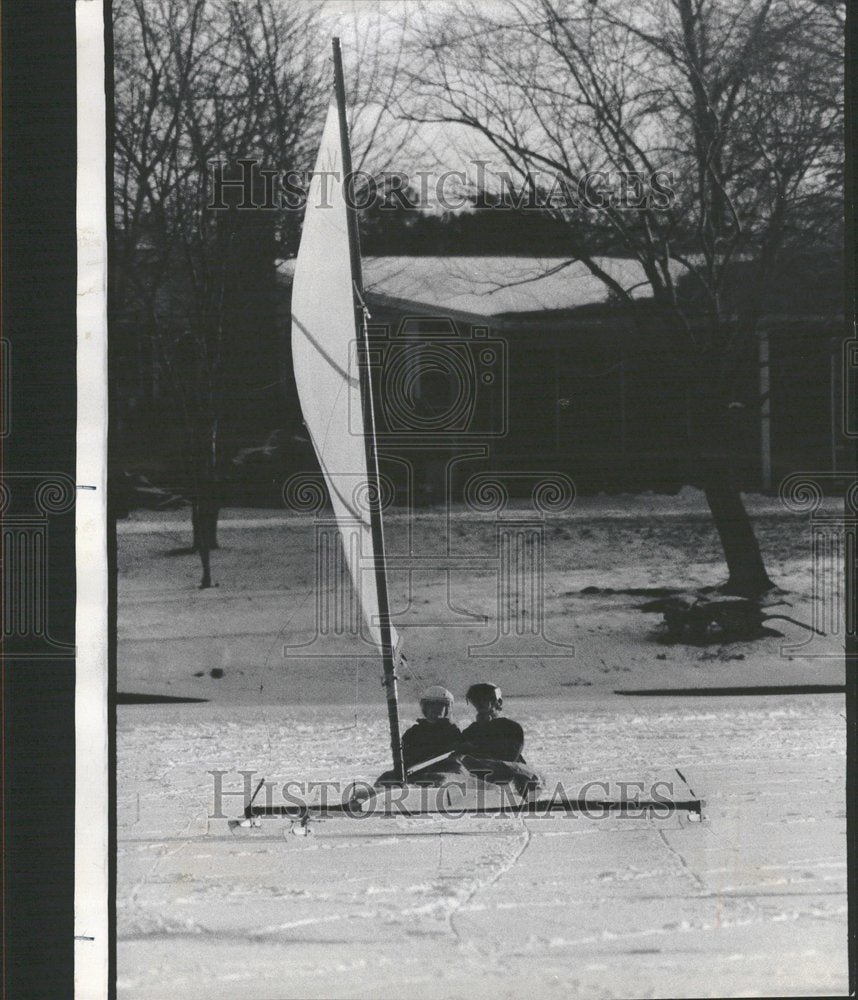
324,338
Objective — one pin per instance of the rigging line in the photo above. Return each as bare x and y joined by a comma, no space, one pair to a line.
329,480
344,375
279,637
354,728
266,665
262,388
319,449
681,775
354,725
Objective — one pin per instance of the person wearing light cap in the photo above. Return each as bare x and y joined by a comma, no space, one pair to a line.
434,734
432,737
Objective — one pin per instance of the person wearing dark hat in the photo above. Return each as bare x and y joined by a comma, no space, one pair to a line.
491,746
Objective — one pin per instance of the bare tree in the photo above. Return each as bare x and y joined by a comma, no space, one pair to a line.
375,55
200,82
738,103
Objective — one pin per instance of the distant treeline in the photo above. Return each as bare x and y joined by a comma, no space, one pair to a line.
804,280
482,231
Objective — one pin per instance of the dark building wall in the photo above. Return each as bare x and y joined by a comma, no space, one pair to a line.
584,396
806,391
612,411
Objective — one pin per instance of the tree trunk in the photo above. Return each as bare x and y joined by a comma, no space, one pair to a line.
195,524
205,559
212,528
204,515
722,447
747,573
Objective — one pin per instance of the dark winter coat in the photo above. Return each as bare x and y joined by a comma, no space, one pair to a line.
426,740
497,739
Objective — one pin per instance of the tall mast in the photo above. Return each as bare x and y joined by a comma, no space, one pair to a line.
374,491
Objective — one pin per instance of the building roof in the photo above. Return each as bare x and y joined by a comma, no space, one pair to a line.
495,286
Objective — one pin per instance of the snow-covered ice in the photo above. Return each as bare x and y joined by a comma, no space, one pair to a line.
750,901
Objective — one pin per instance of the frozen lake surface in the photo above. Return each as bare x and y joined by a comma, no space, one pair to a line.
750,902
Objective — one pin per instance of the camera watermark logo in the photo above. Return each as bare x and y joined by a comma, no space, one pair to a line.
834,555
520,548
434,381
514,566
27,503
850,388
5,387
